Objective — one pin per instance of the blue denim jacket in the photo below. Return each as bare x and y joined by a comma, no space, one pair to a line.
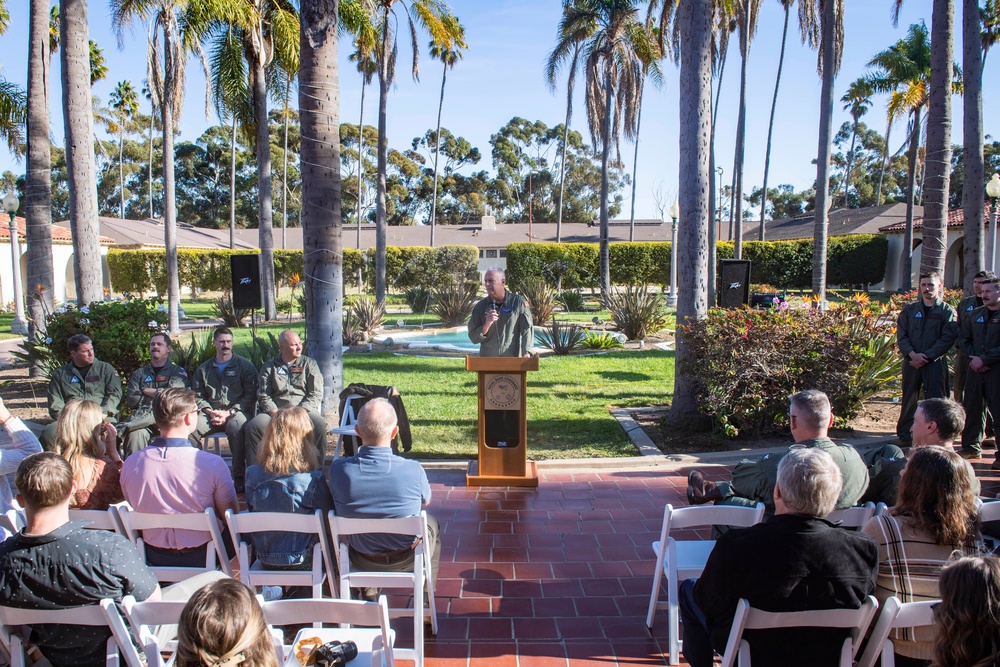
297,493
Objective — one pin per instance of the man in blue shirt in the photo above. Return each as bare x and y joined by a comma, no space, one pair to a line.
377,484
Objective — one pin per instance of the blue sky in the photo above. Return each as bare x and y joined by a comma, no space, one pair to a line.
501,76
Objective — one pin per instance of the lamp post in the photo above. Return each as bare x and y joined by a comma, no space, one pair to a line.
672,295
19,325
993,191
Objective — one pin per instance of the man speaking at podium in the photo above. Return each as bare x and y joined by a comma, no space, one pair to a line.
501,322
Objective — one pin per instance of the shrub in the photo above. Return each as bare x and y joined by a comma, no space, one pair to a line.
572,264
407,267
262,351
198,350
454,303
560,338
572,301
230,316
600,340
366,315
352,335
636,312
419,299
745,363
899,300
541,298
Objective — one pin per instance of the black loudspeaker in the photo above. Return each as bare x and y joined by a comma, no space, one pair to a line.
734,282
246,281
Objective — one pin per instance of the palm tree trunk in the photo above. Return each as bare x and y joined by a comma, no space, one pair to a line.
635,166
265,230
695,98
152,114
605,258
80,166
937,160
383,149
850,159
906,283
38,177
562,163
715,216
821,224
232,186
319,117
741,138
885,162
170,80
284,168
121,168
437,149
770,126
972,155
361,157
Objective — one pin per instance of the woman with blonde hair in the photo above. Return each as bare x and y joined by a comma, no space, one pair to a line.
288,478
936,514
223,626
968,616
89,444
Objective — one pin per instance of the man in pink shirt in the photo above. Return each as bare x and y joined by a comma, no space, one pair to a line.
170,476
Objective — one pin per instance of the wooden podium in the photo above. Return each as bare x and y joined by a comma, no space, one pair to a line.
503,424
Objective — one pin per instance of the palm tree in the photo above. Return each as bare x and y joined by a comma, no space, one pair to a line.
617,48
13,101
98,64
38,178
364,56
125,102
856,100
319,115
831,43
990,16
81,166
551,70
448,52
430,14
972,128
748,11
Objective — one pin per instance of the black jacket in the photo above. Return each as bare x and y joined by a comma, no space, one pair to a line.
368,392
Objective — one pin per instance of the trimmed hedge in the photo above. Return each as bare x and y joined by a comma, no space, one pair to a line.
851,260
422,266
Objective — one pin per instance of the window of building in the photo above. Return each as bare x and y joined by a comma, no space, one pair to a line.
491,254
503,252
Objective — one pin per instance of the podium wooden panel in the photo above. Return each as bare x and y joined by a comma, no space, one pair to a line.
502,392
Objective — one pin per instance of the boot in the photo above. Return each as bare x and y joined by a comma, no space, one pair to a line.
701,490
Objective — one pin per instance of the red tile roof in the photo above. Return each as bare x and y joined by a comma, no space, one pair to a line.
58,233
956,218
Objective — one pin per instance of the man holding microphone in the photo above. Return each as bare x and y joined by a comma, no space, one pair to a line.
501,321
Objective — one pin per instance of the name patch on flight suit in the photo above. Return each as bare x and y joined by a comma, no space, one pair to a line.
296,369
162,378
230,373
93,378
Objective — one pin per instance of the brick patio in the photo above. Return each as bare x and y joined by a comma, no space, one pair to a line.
558,575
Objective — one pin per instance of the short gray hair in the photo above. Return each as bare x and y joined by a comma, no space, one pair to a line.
810,481
813,407
376,420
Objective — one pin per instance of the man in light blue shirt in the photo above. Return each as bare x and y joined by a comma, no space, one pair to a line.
377,484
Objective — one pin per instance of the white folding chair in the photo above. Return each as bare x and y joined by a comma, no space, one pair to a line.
88,615
100,519
880,509
145,617
895,614
419,581
136,522
12,520
853,517
375,639
748,618
989,511
347,421
213,440
682,559
252,573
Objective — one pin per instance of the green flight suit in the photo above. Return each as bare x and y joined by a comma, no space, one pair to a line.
510,336
141,427
234,390
281,385
981,338
965,308
930,331
98,382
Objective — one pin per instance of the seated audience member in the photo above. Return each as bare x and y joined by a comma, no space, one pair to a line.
222,625
377,484
90,445
936,515
810,418
288,479
170,476
143,386
57,564
968,616
83,377
795,561
16,443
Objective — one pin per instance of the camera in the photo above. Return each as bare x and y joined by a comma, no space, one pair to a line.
336,654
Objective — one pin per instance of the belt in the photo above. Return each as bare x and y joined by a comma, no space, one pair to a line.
391,555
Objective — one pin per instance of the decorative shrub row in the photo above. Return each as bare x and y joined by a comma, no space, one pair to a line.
857,259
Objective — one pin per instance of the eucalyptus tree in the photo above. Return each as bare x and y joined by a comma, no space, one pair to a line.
430,14
319,114
125,103
448,52
857,101
78,120
617,48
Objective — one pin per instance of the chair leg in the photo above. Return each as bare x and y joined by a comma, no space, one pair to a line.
654,595
673,619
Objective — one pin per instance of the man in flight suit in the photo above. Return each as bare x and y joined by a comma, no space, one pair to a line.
981,341
226,388
501,321
964,310
143,386
85,378
290,379
924,332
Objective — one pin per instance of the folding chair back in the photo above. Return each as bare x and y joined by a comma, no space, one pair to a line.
88,615
853,517
856,621
12,520
100,519
136,522
989,511
682,559
895,614
252,573
145,617
418,581
374,639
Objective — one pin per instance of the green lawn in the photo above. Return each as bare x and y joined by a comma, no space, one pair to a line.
6,319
